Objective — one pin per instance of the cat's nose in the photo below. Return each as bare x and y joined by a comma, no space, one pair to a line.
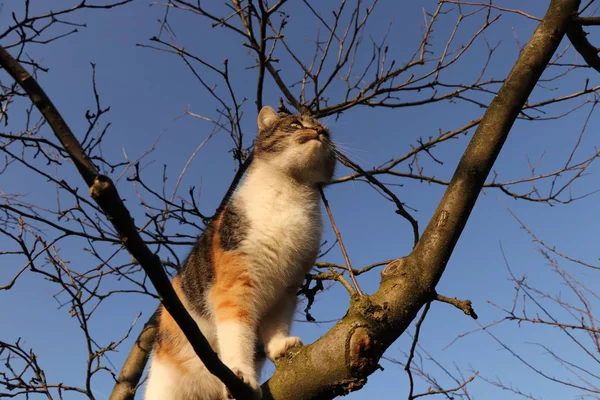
320,130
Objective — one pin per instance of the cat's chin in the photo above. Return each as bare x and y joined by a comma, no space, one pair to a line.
310,162
317,148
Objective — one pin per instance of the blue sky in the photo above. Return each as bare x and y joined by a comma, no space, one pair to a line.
148,91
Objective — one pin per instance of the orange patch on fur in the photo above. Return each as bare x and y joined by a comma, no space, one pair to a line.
171,340
233,285
228,310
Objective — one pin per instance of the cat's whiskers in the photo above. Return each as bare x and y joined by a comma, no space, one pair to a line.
352,151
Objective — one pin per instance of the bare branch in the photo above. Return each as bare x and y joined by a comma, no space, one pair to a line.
103,191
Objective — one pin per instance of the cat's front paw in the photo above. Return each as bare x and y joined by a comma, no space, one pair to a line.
248,380
279,346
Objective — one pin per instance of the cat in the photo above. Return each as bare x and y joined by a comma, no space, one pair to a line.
240,280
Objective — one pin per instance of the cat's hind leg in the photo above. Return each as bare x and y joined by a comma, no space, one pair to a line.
164,381
169,381
176,372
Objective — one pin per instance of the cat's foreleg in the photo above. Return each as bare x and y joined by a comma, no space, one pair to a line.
275,326
236,317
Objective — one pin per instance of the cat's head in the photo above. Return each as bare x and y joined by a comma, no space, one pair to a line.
297,145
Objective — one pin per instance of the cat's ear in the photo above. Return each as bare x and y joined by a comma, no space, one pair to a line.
266,117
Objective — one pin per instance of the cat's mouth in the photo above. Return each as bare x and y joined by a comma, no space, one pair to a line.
308,136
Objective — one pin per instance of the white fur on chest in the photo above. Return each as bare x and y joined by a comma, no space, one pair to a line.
285,225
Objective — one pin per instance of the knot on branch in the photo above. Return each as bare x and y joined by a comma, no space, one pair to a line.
101,186
393,268
362,352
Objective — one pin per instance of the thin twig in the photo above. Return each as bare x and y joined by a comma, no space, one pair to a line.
401,210
342,247
411,355
464,305
103,191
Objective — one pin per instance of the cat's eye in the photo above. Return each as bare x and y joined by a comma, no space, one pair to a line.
296,125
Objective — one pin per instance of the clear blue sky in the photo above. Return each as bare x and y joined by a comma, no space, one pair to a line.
147,90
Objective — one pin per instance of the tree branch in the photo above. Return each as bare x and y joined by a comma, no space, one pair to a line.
354,345
463,305
103,191
357,289
577,36
129,378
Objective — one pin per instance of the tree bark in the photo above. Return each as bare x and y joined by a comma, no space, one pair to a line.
131,373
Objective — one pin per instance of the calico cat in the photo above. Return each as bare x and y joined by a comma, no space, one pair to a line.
240,280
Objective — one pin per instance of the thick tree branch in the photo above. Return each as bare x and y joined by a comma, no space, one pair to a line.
342,359
129,378
104,192
577,36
